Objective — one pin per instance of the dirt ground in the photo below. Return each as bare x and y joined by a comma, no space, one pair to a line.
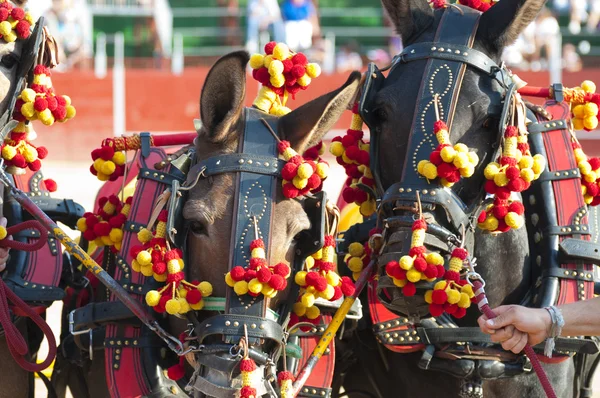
75,182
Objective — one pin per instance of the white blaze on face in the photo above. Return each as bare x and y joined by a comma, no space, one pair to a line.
9,53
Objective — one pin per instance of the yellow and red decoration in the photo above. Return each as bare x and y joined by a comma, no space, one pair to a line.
417,265
109,163
300,176
105,228
359,255
285,379
258,277
352,153
513,172
319,280
448,162
452,295
247,368
590,175
15,23
480,5
282,73
584,106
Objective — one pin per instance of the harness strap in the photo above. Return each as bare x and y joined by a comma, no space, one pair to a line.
242,162
94,315
235,325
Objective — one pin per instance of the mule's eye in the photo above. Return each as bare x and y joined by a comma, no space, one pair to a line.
198,228
380,114
9,60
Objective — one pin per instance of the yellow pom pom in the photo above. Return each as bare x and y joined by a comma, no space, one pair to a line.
240,288
144,235
322,170
590,109
588,86
81,225
473,158
256,61
173,306
108,167
277,80
590,122
399,282
448,153
491,170
430,171
406,262
461,148
267,60
119,158
300,278
299,309
313,312
461,160
310,261
106,241
102,177
229,280
28,95
577,123
526,162
173,267
255,286
275,68
500,179
146,270
308,299
465,301
281,51
367,208
434,258
258,252
313,70
205,288
356,249
144,258
9,152
136,266
421,165
27,109
304,80
333,278
299,182
468,290
305,170
98,163
182,292
429,296
413,275
3,232
579,111
513,220
46,117
116,235
328,293
527,175
152,298
355,264
198,306
453,296
71,112
5,28
539,164
590,177
268,291
336,148
467,171
588,199
491,223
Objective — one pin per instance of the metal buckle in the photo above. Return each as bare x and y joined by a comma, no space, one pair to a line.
72,326
354,313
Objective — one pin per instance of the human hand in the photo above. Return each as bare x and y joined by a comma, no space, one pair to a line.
3,250
516,326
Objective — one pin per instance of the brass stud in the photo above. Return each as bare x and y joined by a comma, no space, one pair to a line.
236,323
227,323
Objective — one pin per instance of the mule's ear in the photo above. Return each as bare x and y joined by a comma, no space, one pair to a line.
307,125
502,24
222,98
408,16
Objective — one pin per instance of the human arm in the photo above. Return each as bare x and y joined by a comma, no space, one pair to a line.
582,318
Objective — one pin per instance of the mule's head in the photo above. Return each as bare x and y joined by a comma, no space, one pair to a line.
476,115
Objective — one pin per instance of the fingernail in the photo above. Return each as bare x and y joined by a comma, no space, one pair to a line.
490,322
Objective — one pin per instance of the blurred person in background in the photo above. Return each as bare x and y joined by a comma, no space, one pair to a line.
571,59
593,16
297,16
230,21
263,15
547,38
349,59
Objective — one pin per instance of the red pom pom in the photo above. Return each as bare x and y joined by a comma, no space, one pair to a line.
512,172
262,75
311,278
360,196
450,308
3,14
431,271
172,255
595,163
420,264
117,221
446,170
500,211
592,188
102,229
321,284
237,273
50,184
282,269
247,365
439,296
337,293
409,289
391,268
460,253
250,274
490,187
348,194
352,151
257,243
176,277
348,287
89,235
300,59
419,224
349,141
440,270
247,392
193,296
417,251
482,217
278,283
454,177
439,125
502,193
34,166
42,152
290,191
452,276
176,372
285,375
269,47
502,226
436,309
437,4
595,201
263,275
460,312
523,147
297,71
436,158
314,181
256,263
40,104
507,160
517,207
17,13
364,158
22,29
282,146
107,152
287,65
297,159
159,268
511,131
